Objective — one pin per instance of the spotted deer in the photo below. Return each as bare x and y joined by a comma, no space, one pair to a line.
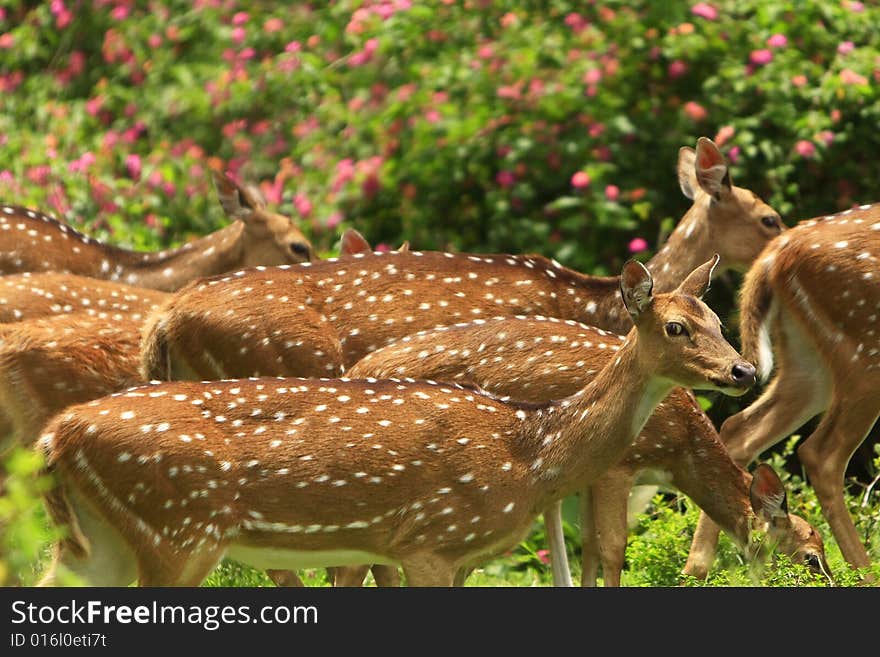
32,295
75,339
538,359
29,295
160,482
33,241
808,310
316,319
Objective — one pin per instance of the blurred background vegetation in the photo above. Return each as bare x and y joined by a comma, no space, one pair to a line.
473,125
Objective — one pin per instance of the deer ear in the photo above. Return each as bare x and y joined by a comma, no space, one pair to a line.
687,174
711,168
768,494
353,242
698,281
635,287
237,202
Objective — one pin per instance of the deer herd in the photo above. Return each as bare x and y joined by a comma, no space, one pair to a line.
240,397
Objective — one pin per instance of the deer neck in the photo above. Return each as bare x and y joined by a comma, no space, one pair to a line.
572,441
169,270
686,249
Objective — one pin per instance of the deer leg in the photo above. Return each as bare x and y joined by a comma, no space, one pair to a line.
167,571
589,540
825,455
348,576
556,543
284,577
385,576
610,495
429,570
702,553
797,393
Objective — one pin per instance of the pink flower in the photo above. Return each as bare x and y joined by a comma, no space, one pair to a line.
508,19
82,164
854,6
826,137
805,149
637,245
543,556
371,45
505,179
238,34
273,25
293,46
240,18
799,80
576,22
761,57
133,165
777,41
6,41
154,40
382,247
580,180
485,52
848,76
846,47
303,205
119,13
612,192
432,116
334,219
695,111
724,135
676,69
733,155
705,10
593,76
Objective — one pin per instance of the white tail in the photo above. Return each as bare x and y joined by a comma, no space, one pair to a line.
33,241
816,290
286,473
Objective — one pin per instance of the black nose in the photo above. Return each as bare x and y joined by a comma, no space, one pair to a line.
743,374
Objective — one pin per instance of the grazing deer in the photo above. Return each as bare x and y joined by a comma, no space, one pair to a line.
30,295
809,309
316,319
160,482
537,359
33,241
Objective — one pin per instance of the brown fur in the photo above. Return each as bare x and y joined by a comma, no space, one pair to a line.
33,241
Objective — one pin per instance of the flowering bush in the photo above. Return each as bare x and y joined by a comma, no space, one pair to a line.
471,125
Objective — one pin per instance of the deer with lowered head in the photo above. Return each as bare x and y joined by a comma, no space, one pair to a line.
808,312
537,359
34,241
316,319
160,482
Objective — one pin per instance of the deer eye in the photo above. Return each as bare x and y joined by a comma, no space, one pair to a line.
674,329
770,221
300,249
